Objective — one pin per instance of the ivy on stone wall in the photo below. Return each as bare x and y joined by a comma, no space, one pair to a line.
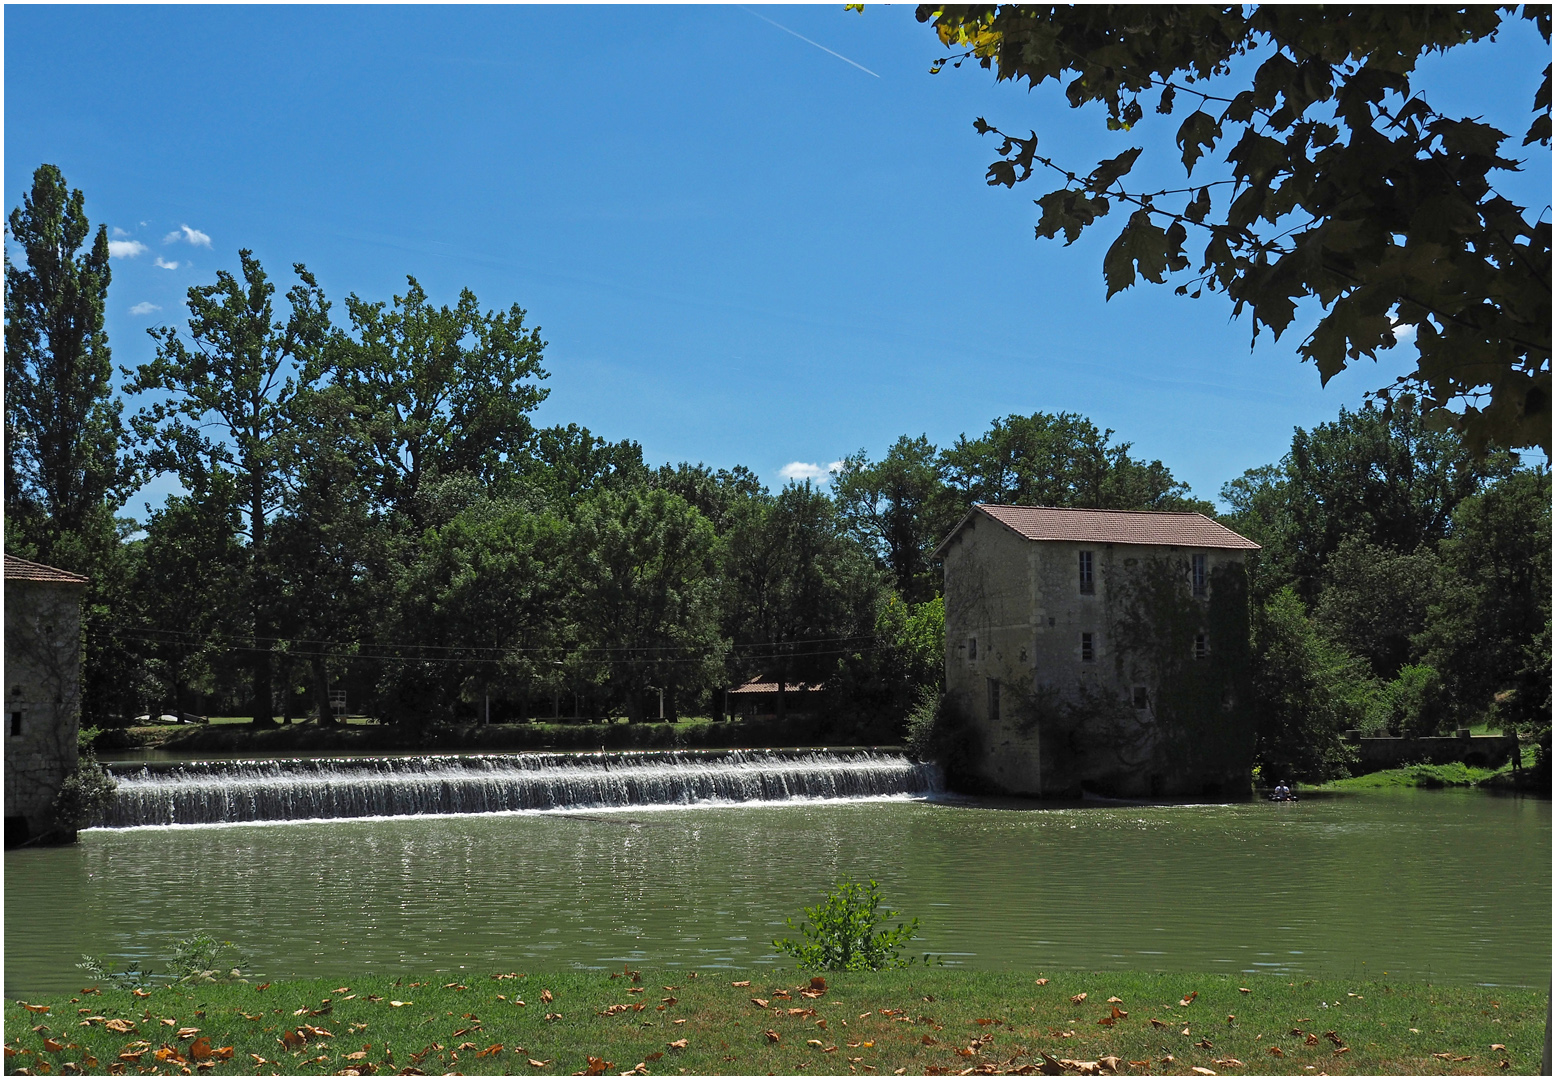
1200,702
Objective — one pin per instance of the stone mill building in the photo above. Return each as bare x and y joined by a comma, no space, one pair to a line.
42,691
1098,651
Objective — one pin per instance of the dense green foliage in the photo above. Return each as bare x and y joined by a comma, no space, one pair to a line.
844,932
368,509
1403,588
1341,182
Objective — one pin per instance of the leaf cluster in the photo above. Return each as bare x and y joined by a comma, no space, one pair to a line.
1343,184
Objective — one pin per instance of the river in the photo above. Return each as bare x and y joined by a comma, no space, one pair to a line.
1450,886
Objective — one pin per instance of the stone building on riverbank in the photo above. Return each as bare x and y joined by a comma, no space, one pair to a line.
42,692
1101,651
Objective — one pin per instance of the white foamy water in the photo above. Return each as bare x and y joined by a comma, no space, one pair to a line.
224,792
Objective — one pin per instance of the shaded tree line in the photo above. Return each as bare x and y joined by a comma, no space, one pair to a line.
1403,587
365,504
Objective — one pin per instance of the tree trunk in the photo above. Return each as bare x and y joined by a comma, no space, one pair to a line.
321,692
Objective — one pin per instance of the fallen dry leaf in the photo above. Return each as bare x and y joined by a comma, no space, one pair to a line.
1157,1023
45,1008
545,995
52,1045
1042,982
120,1027
1244,990
400,1004
1077,999
1200,1070
539,1064
1188,999
1498,1046
772,1036
760,1003
1277,1051
743,982
200,1049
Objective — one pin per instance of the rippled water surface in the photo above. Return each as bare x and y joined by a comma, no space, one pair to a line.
1451,886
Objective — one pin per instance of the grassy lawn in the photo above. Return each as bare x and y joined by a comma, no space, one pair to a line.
1455,774
915,1021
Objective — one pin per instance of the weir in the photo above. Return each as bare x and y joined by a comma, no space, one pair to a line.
216,792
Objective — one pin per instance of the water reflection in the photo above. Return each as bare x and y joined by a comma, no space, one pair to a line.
1440,885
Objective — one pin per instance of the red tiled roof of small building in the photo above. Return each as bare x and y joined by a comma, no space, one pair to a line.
19,569
1153,527
772,688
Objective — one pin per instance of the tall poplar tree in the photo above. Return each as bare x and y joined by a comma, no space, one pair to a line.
62,422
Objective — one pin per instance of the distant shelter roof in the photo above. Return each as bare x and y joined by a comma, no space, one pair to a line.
19,569
755,687
1158,528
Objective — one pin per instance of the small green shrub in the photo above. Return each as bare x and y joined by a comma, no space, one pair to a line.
86,793
195,960
841,933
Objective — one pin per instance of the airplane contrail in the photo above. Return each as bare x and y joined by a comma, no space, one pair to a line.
808,41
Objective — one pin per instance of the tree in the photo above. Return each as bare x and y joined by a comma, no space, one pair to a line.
1345,186
240,380
564,463
435,390
897,507
1307,692
1494,599
65,474
1374,601
1381,475
645,600
486,602
1057,459
800,595
62,421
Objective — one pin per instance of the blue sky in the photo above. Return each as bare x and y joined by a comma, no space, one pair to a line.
740,247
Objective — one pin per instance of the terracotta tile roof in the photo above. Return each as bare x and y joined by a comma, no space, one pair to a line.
772,688
1154,527
26,570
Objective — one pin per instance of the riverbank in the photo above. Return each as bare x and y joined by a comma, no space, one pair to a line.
921,1021
1528,778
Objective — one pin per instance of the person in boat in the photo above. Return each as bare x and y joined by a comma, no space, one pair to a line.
1282,793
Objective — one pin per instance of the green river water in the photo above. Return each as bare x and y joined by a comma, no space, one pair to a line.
1441,886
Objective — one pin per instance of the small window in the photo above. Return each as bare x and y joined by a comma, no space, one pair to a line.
1088,650
16,724
972,648
1142,698
16,691
994,699
1088,584
1198,563
1201,646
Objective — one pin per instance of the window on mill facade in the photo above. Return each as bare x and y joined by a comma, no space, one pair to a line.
1088,583
1198,574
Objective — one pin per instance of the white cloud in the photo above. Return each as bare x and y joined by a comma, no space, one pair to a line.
1404,331
193,236
806,470
145,307
119,232
125,249
165,264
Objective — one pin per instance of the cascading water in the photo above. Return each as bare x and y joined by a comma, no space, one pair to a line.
213,792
